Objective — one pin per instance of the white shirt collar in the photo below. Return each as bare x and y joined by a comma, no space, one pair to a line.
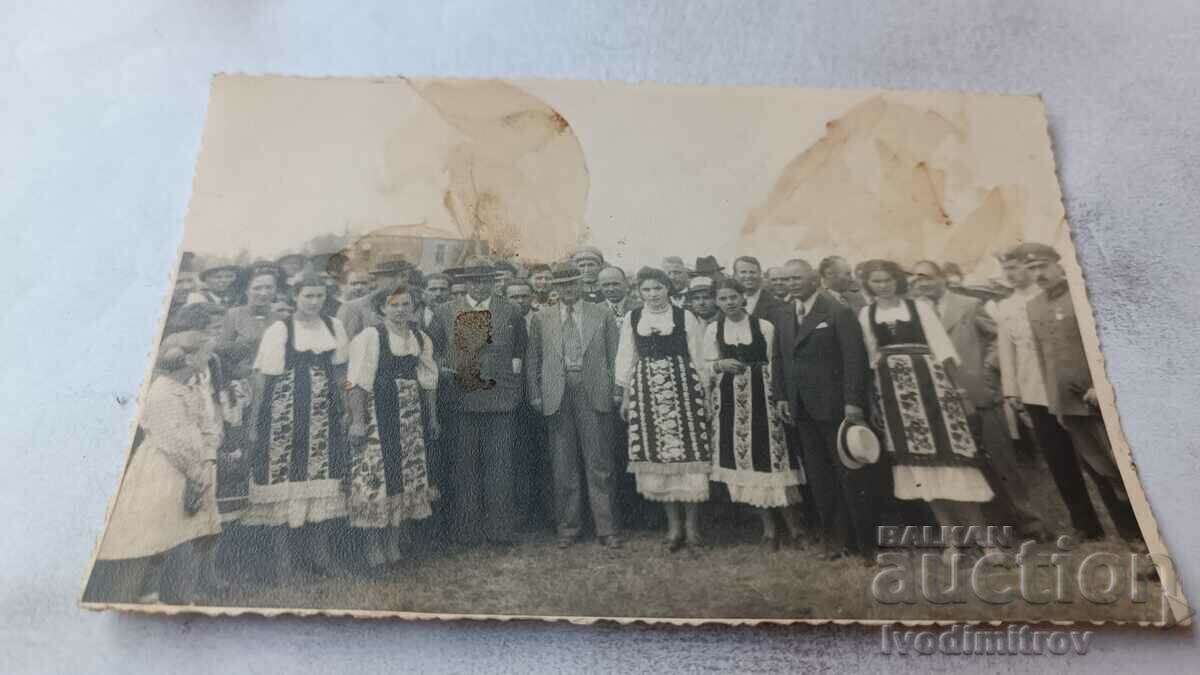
808,304
752,300
485,304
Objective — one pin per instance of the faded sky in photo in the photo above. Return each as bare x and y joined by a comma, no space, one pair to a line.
642,172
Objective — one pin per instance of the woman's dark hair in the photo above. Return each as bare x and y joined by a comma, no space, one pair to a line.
647,273
380,297
264,272
307,279
727,282
175,348
893,269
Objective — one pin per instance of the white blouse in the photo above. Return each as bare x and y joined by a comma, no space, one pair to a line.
664,323
935,334
309,337
736,333
364,358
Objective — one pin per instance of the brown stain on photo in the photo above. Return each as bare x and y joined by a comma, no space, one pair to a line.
472,333
885,162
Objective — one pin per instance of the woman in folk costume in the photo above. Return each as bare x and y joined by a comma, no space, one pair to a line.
663,399
392,381
299,457
751,456
167,496
919,407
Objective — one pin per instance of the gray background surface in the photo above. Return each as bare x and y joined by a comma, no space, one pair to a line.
101,113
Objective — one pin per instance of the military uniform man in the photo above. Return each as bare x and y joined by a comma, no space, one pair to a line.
1070,393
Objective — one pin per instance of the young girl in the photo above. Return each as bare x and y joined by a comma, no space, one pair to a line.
167,497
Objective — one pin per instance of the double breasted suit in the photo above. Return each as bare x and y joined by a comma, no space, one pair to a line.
577,401
819,366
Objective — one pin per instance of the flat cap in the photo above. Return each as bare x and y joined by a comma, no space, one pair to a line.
1032,252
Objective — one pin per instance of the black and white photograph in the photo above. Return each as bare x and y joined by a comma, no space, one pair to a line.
584,350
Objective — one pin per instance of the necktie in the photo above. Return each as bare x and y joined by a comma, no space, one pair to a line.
799,312
572,345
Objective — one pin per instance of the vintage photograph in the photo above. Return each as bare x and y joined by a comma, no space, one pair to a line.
642,352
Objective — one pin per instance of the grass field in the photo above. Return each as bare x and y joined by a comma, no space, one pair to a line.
731,578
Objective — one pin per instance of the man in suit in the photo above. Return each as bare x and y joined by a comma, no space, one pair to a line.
775,284
837,279
615,288
973,332
819,369
760,302
679,275
572,352
539,278
505,272
589,260
1070,392
632,510
534,489
481,341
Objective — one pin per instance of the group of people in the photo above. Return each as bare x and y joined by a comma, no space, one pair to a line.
314,399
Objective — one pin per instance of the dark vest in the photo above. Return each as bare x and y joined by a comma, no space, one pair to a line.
661,346
900,332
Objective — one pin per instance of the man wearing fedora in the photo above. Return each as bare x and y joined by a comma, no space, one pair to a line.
707,266
480,340
819,369
572,352
358,314
1070,392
